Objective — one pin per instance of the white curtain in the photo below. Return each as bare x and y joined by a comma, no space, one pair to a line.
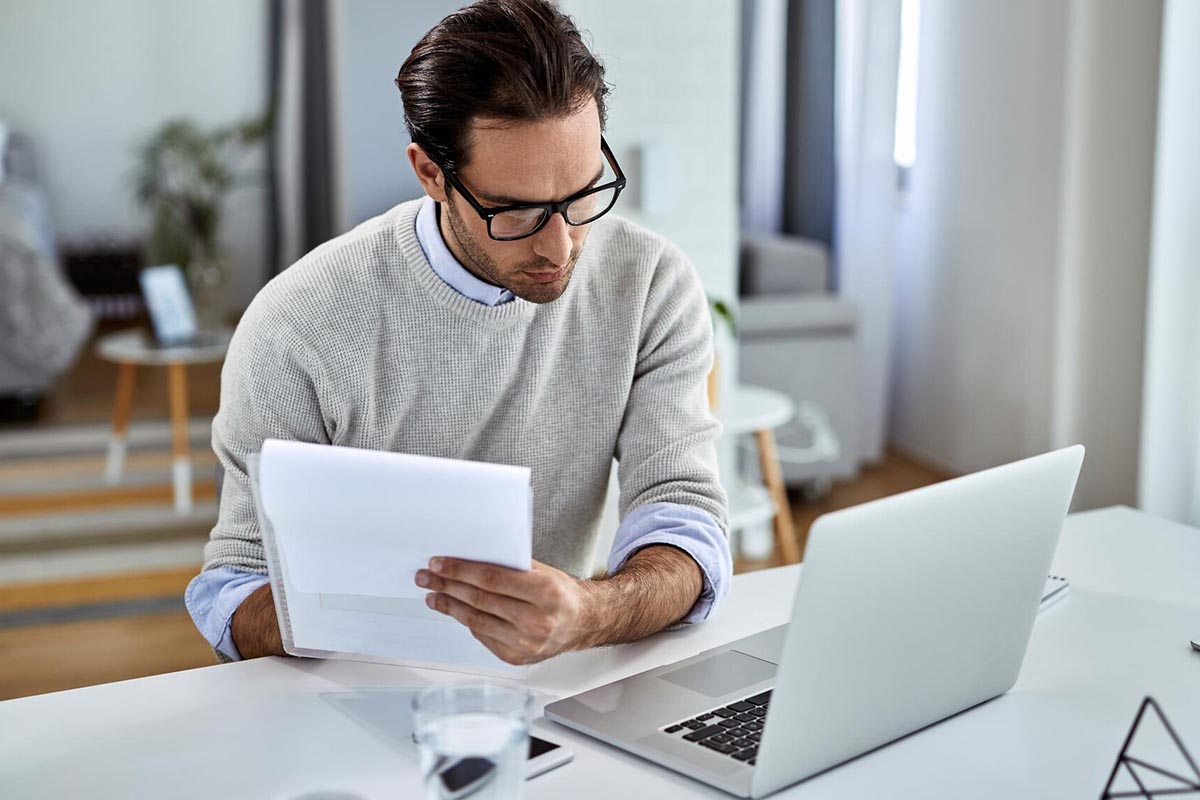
1169,480
290,155
305,183
868,45
766,73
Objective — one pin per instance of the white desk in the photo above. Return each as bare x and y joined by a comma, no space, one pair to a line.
287,728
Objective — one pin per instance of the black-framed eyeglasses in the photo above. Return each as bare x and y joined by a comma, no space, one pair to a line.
507,223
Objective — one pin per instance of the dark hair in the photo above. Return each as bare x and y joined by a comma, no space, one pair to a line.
514,60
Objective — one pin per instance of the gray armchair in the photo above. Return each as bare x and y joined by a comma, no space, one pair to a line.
798,338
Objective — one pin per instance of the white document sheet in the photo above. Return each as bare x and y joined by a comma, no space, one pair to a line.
346,531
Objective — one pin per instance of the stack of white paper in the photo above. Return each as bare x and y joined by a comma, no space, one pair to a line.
346,531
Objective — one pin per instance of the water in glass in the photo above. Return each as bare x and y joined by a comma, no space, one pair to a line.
476,755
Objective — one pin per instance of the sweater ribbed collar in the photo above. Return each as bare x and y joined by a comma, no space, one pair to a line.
446,295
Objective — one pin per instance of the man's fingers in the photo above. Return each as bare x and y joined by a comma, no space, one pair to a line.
515,611
478,621
516,583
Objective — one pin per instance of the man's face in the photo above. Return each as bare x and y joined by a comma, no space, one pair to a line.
529,162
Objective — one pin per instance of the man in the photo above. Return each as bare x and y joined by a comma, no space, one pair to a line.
476,323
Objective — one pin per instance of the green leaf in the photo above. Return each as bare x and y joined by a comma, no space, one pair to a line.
722,311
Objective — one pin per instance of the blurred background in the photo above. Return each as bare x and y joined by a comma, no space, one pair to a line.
937,236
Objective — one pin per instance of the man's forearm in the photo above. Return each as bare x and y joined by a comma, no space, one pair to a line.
657,586
254,627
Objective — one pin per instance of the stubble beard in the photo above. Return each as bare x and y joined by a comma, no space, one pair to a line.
483,265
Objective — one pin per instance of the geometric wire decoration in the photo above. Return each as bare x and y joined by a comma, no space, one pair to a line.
1147,777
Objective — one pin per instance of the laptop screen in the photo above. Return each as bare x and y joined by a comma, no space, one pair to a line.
169,303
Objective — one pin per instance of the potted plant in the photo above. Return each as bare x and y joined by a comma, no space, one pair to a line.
183,177
720,311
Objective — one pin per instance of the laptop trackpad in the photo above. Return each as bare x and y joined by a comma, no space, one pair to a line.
723,673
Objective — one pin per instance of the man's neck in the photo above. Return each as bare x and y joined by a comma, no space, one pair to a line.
455,248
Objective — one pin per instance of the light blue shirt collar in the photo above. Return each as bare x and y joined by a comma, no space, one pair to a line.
446,265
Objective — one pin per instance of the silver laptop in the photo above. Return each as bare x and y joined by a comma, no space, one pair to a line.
908,610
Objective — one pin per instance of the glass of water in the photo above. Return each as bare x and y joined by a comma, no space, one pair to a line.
473,738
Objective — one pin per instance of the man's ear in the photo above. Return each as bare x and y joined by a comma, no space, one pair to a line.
427,172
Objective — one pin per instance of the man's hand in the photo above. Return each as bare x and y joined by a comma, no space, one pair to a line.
526,617
522,617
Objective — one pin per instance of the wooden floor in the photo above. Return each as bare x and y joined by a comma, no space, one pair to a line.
108,645
897,473
49,657
123,642
103,497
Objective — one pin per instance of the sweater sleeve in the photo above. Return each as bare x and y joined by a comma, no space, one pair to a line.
666,445
268,390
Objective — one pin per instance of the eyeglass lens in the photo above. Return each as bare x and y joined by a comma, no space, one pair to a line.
522,221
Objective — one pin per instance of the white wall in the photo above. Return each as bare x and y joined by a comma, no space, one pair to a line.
1022,260
1170,468
370,40
88,81
977,247
1107,194
674,68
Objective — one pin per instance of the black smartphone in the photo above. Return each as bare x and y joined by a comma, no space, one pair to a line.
544,756
468,775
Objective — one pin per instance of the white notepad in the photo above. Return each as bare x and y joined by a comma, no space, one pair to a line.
345,531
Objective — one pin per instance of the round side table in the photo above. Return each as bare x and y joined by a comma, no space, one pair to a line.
753,409
130,349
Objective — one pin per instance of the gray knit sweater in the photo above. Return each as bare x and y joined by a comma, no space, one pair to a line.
361,344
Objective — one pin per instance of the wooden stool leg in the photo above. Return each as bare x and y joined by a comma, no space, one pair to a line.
785,529
114,467
181,465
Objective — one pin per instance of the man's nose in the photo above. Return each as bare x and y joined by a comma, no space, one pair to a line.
553,241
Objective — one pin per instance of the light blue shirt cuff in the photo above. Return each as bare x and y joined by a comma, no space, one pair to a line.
690,529
213,596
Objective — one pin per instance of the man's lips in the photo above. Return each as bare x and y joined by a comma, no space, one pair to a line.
546,276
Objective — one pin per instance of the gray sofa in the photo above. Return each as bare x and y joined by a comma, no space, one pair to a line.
43,323
797,337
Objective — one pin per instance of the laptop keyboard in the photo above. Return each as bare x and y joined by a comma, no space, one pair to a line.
733,730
